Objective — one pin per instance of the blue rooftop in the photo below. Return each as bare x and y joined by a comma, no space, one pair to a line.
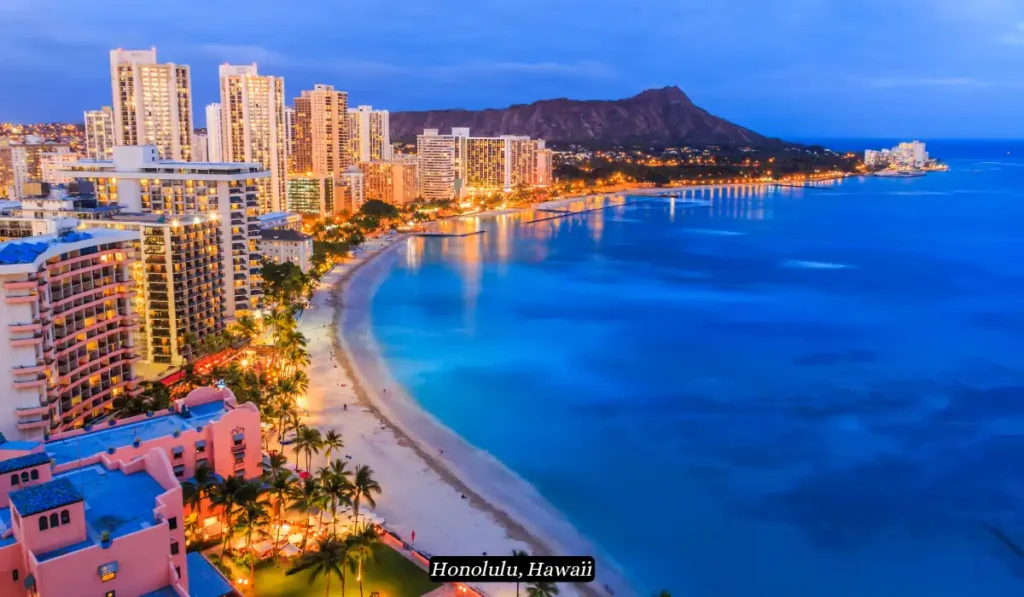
19,462
45,496
164,592
25,250
5,525
95,442
204,580
115,502
26,446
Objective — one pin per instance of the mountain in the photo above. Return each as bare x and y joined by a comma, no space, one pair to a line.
663,116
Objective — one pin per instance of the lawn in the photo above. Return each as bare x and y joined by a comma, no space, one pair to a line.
388,573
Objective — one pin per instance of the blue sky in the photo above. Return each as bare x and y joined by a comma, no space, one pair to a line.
791,68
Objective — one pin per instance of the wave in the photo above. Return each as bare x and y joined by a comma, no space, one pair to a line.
713,232
803,264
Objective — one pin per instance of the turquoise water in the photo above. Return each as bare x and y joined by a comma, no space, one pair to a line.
790,393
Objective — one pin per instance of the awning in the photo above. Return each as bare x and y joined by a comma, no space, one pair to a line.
179,469
108,568
238,437
290,551
295,539
262,547
178,450
201,443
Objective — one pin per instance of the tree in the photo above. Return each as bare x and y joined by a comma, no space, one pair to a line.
360,544
231,493
378,209
332,442
338,491
280,488
330,560
309,442
306,497
541,589
364,487
518,553
253,516
246,328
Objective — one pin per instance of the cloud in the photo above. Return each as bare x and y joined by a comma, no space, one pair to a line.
1014,38
890,82
585,69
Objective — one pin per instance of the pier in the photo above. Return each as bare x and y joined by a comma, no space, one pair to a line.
450,234
823,185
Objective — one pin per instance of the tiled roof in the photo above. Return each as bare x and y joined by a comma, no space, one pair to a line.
19,462
284,235
47,496
26,251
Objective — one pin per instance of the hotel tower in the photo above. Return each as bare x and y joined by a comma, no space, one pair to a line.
152,103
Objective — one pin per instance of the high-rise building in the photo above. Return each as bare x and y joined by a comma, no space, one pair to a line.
179,272
21,163
67,335
200,147
321,132
138,181
214,151
51,164
99,133
369,134
437,167
289,133
312,195
350,191
393,182
48,210
152,103
252,128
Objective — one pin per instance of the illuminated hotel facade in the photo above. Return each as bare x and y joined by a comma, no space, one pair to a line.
152,103
253,128
99,133
67,333
437,168
369,134
392,182
139,182
321,132
21,163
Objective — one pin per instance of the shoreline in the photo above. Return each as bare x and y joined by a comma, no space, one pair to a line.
475,474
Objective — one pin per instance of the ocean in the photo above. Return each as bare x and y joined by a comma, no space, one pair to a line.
789,393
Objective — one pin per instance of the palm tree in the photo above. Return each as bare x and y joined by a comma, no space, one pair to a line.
245,326
233,492
364,486
332,442
361,549
277,462
306,497
330,560
253,516
518,553
541,589
338,491
280,489
308,441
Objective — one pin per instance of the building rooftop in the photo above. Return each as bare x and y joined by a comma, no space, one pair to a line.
95,442
5,528
19,462
204,580
284,235
45,496
25,445
23,251
273,215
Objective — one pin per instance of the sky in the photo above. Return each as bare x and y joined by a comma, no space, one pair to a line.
789,68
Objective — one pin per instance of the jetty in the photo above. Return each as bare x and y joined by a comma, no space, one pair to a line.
821,186
450,234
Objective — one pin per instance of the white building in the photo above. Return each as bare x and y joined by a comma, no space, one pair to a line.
139,181
51,164
200,147
350,190
152,103
99,133
213,136
279,246
21,163
280,220
252,128
437,169
289,131
369,133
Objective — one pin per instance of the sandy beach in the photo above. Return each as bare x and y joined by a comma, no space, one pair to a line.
457,499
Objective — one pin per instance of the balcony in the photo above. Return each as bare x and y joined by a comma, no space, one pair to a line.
32,411
28,369
36,382
33,340
35,326
34,424
21,299
22,285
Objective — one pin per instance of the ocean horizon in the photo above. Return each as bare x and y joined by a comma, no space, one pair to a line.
790,392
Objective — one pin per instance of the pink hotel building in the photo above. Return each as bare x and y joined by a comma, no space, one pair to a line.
98,512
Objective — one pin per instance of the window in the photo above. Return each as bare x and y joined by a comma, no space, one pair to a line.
177,570
14,479
35,474
174,548
14,576
240,458
65,517
54,521
109,594
42,523
172,522
24,476
108,572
